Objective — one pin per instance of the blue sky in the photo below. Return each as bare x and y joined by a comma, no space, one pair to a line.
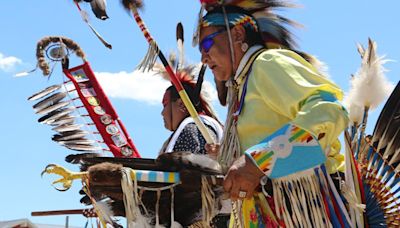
331,31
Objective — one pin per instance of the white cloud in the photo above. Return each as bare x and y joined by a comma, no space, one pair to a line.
136,85
7,63
145,87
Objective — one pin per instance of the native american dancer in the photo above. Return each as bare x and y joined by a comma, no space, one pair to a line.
186,135
295,194
104,180
283,122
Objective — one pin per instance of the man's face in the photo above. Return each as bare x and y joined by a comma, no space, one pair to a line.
218,57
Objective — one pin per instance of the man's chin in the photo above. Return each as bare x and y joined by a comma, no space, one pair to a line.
220,76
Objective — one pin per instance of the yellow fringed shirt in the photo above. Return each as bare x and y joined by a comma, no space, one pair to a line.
284,88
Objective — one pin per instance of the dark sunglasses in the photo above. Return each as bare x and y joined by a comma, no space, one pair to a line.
208,41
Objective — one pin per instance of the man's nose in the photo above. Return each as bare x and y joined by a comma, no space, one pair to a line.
204,57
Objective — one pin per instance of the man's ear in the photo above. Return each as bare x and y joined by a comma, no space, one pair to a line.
238,34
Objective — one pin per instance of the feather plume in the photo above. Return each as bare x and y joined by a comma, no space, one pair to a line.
369,86
180,41
128,4
188,70
355,111
360,49
104,211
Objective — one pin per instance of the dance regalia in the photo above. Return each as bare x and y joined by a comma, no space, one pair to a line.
187,136
283,97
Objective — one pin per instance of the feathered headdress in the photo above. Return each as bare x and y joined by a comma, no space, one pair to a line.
191,74
258,14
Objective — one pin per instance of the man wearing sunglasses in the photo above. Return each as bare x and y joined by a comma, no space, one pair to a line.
283,118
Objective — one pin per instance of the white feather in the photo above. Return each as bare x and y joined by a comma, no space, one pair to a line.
369,86
176,225
104,211
202,161
21,74
181,54
85,16
355,111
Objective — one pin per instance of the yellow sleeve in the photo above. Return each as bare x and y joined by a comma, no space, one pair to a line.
292,87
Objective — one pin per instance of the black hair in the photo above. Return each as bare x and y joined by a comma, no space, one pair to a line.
190,90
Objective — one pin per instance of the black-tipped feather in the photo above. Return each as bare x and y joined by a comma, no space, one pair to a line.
53,107
81,147
134,163
386,115
180,41
82,141
191,161
51,100
199,84
78,158
99,9
392,148
69,135
391,119
44,92
45,118
55,115
66,119
67,127
179,32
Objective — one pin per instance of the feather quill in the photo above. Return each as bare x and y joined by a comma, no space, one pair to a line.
51,100
66,119
369,86
355,110
44,92
386,116
67,127
191,161
55,115
78,158
53,107
180,41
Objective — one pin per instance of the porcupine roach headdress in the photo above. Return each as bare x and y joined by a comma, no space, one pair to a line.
201,96
259,16
187,75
